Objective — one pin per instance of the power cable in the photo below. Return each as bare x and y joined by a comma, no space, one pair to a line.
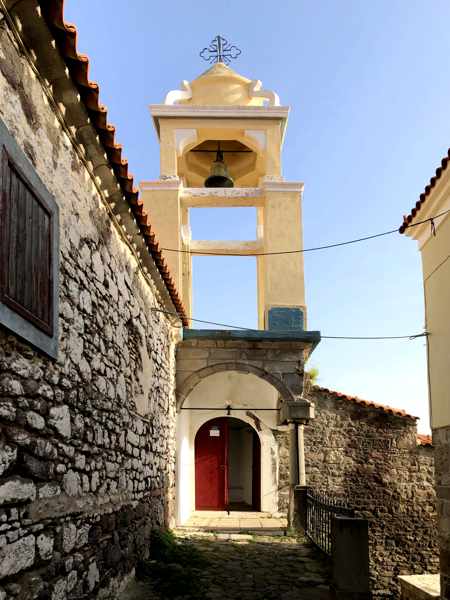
324,247
324,337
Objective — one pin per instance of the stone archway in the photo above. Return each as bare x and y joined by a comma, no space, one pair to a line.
193,379
272,358
278,360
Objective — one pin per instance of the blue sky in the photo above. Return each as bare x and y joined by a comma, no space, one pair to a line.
369,92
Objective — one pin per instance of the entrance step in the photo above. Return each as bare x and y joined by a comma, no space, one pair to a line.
254,523
233,534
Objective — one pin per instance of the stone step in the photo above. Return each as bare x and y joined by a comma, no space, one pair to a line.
230,531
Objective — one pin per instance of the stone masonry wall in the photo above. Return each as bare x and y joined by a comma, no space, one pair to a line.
87,442
371,459
282,438
441,443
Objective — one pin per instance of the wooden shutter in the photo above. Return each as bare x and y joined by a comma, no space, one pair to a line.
26,284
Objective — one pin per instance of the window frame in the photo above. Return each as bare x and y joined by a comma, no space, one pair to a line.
14,316
7,165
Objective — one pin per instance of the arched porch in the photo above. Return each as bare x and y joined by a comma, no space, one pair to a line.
204,404
256,377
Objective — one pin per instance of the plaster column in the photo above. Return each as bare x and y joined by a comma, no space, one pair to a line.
162,202
293,455
283,273
301,454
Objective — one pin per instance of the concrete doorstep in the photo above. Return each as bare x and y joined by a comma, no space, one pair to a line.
420,587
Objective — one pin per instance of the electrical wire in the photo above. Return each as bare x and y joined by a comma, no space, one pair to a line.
313,249
323,337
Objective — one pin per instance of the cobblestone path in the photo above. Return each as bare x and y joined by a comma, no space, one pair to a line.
244,567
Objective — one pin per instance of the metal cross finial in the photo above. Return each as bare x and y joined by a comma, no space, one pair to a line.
220,50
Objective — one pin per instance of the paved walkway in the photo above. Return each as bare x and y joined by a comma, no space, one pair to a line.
238,521
247,567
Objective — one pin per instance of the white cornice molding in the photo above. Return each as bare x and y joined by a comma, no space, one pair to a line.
227,247
282,186
175,183
186,111
169,183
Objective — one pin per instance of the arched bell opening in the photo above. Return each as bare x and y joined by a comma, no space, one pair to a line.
227,466
236,162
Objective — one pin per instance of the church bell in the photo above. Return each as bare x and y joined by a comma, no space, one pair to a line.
219,176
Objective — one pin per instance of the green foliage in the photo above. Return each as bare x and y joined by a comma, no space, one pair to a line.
313,375
174,569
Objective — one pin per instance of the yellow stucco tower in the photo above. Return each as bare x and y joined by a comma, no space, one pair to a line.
224,109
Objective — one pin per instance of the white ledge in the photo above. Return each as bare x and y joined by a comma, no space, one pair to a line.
246,192
170,183
182,111
186,110
282,186
420,587
228,247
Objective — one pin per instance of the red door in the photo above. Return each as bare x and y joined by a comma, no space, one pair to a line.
211,465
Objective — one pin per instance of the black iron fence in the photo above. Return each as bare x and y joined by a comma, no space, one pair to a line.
320,511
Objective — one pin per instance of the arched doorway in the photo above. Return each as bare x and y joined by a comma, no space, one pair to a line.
227,466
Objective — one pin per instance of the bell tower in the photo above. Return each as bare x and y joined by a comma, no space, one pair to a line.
221,137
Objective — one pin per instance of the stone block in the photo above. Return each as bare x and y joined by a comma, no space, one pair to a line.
190,365
8,455
69,537
192,353
17,556
281,366
35,420
59,590
297,411
49,490
17,489
44,543
59,418
93,576
420,587
72,483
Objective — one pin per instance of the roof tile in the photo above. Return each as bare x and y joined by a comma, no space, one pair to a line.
78,64
387,409
407,219
424,440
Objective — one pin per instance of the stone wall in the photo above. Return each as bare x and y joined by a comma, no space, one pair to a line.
370,458
282,438
87,442
441,443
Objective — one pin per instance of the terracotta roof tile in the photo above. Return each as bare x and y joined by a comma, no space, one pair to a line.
78,64
424,440
407,219
367,403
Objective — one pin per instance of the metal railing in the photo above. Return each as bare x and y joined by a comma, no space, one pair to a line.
320,511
